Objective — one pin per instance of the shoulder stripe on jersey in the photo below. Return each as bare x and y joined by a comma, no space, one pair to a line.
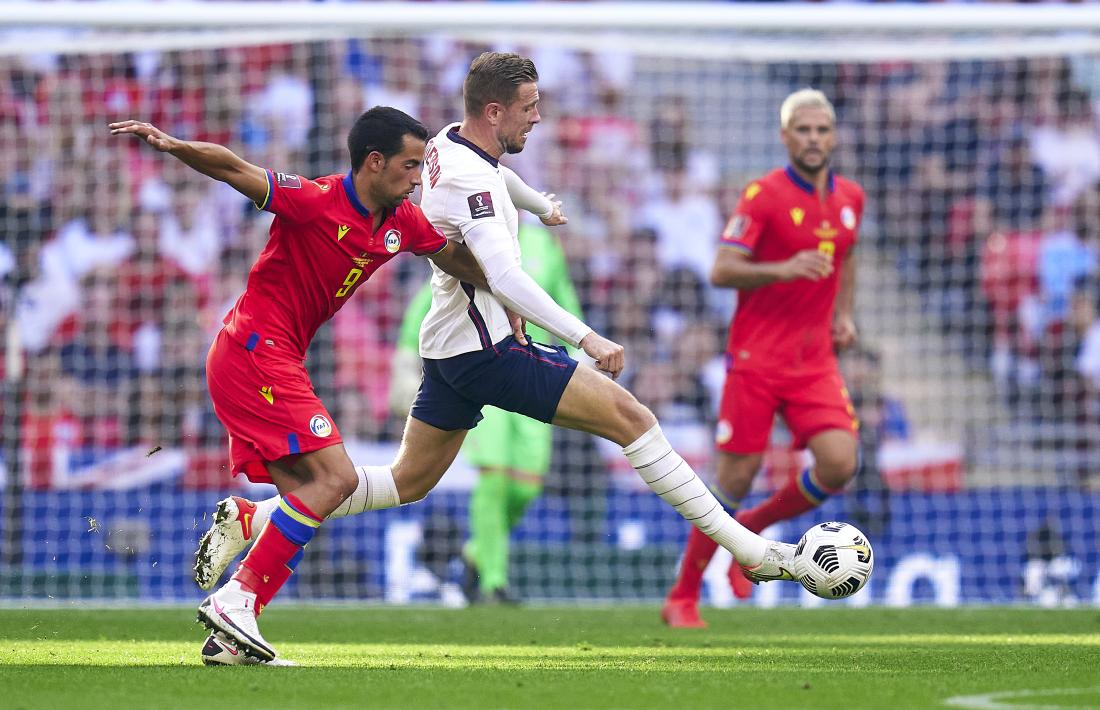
267,198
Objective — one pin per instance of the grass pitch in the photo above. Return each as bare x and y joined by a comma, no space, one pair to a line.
569,658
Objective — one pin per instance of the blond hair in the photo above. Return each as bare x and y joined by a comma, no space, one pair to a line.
804,98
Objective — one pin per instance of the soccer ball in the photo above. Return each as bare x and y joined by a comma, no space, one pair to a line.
833,560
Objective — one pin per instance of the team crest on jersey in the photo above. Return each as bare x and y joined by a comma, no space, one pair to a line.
393,241
848,217
724,432
481,205
735,228
320,425
286,180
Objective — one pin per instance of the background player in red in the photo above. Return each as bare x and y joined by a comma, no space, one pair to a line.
328,236
788,252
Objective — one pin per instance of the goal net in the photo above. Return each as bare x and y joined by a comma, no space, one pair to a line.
973,131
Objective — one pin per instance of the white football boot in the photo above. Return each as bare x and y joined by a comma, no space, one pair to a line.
220,651
232,611
228,535
778,564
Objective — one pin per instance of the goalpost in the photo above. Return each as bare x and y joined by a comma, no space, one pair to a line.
973,130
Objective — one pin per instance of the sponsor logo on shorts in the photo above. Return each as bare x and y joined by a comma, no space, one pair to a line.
848,217
320,425
481,205
724,432
393,241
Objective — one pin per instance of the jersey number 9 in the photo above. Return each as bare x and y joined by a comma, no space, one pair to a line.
350,280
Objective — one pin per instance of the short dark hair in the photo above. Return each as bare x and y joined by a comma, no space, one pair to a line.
494,77
381,129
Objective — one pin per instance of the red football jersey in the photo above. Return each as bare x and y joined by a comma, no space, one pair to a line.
789,324
320,250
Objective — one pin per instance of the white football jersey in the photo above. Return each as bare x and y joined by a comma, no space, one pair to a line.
463,187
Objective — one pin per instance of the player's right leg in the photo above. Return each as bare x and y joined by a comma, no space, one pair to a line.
595,404
732,481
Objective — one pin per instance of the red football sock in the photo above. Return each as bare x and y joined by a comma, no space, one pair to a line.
274,555
697,554
802,493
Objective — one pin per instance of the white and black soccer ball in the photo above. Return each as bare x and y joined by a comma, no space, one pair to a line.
833,560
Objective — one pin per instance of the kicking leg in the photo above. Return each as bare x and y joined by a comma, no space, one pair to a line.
595,404
681,609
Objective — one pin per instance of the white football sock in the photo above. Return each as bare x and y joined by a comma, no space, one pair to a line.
670,477
376,490
264,509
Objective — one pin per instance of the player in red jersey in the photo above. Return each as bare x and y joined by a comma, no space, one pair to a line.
328,236
788,252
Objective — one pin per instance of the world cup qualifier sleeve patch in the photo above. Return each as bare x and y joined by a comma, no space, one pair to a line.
289,181
481,205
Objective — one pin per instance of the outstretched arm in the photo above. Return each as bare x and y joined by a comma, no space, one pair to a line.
211,159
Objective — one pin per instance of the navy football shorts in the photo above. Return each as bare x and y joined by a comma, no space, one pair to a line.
528,379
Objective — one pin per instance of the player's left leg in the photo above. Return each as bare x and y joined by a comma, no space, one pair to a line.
376,487
597,405
820,415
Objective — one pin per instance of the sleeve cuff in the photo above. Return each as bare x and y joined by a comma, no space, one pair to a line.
267,199
738,246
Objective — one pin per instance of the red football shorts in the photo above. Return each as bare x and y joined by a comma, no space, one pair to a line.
809,404
266,401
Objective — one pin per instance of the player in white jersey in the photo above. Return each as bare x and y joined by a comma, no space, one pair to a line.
472,357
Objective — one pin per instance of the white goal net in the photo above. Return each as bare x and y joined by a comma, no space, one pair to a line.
973,130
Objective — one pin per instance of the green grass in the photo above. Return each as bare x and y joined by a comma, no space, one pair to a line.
550,658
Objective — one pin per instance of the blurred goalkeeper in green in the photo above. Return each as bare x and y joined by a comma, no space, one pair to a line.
510,451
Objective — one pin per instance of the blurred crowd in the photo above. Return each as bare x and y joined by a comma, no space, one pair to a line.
984,179
118,263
